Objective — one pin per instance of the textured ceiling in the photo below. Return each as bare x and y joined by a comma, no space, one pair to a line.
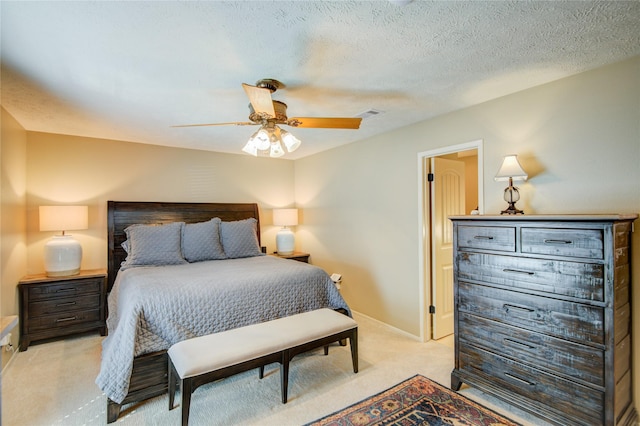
130,70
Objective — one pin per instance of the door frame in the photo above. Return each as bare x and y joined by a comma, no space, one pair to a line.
424,225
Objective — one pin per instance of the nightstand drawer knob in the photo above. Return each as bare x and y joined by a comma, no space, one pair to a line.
66,319
482,237
62,290
66,304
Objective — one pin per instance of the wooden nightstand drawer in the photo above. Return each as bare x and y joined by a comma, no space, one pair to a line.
65,319
487,237
68,304
583,243
65,289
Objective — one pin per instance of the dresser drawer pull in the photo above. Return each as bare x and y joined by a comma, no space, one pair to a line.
516,271
482,237
518,379
66,304
558,241
66,319
515,342
62,290
517,308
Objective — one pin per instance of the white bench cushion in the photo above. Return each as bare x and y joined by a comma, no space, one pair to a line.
193,357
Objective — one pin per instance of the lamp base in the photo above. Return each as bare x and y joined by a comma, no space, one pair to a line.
511,210
285,241
62,256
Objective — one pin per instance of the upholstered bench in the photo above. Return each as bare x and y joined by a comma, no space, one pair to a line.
201,360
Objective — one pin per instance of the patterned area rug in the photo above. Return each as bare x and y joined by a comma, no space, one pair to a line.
416,401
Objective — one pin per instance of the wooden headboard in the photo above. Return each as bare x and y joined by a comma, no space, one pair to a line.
121,214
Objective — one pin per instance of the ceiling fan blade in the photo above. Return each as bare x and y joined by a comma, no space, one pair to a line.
325,122
237,123
260,99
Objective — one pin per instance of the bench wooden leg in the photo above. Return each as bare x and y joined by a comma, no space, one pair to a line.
261,372
326,349
354,349
284,375
171,378
186,387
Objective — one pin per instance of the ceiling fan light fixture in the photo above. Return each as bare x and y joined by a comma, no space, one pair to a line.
290,142
261,139
276,150
251,148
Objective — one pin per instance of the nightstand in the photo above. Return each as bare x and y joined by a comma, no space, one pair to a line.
60,306
296,255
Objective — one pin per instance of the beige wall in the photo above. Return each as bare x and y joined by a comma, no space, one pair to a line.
74,170
578,138
13,240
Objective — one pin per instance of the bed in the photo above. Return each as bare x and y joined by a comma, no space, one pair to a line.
152,306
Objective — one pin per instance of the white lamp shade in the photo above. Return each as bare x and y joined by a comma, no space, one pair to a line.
285,217
63,218
511,168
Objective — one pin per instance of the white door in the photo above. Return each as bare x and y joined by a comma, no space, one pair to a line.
447,198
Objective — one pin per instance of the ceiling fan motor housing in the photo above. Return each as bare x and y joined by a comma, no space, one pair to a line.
280,109
269,83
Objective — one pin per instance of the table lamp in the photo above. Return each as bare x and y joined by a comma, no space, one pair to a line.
285,240
511,170
63,253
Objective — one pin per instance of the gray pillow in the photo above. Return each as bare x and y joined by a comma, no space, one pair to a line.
154,245
240,238
201,241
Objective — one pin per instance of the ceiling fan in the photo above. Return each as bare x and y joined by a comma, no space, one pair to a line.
269,113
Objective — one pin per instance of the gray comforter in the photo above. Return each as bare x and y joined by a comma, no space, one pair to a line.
151,308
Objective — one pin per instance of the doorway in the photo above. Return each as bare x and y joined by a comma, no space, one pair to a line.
450,184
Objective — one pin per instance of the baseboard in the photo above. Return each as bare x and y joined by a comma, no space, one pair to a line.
390,327
11,358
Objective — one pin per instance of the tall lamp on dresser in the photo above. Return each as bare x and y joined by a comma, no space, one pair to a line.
543,314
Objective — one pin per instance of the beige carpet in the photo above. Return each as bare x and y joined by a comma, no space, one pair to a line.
53,384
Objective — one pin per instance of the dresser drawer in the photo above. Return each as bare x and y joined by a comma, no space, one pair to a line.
585,404
539,350
583,243
567,320
68,304
65,289
63,320
575,279
487,237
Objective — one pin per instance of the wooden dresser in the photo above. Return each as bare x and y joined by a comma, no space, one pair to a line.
543,314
